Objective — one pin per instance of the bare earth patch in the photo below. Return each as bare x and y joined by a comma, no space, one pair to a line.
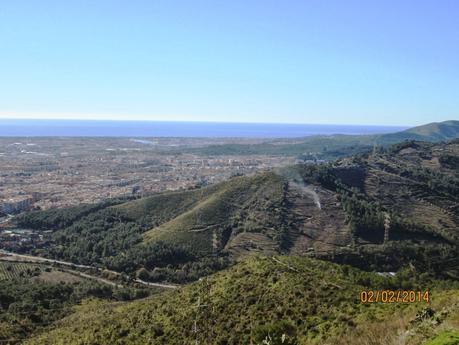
58,277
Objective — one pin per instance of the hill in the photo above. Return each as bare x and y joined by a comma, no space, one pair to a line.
377,211
432,132
401,205
300,300
33,296
393,209
176,235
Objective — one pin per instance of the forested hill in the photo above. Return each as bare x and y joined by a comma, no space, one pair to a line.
378,211
336,146
432,132
280,300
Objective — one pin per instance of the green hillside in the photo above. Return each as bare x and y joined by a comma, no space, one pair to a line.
408,192
241,205
303,300
393,209
377,211
33,296
178,235
163,206
437,130
433,132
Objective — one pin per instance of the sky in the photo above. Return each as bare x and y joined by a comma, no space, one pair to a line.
391,62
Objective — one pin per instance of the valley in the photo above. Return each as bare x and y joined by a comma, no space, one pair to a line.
229,172
277,255
351,209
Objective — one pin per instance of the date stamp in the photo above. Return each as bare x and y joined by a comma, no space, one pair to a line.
394,296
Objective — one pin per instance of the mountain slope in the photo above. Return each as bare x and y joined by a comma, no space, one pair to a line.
33,296
377,211
309,301
401,205
243,204
437,130
171,229
432,132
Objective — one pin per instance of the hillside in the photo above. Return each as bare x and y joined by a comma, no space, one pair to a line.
394,209
377,211
401,205
307,301
33,296
432,132
177,234
226,218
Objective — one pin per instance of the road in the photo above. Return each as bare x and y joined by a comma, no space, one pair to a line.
88,276
38,259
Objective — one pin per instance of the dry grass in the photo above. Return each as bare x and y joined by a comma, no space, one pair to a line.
399,330
388,332
56,277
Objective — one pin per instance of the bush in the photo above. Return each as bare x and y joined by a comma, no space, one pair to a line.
277,333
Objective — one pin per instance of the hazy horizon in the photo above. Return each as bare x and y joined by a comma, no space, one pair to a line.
127,128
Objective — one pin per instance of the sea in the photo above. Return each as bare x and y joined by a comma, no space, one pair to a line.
105,128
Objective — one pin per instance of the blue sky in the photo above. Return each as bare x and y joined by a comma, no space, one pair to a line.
310,61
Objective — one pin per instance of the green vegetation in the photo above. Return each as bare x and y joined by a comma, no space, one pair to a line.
392,210
12,270
181,236
110,234
302,300
435,131
56,219
397,188
445,338
176,236
28,303
240,204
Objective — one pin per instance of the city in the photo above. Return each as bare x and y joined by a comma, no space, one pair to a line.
41,173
